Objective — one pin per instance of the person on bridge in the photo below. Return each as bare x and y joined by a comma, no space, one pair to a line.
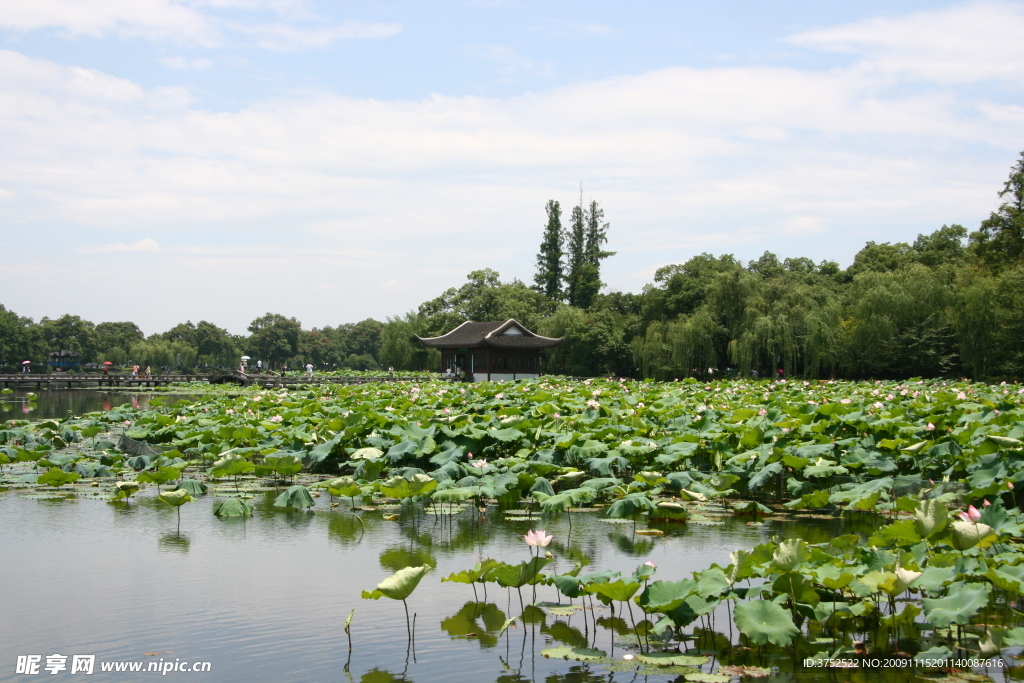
309,369
135,371
259,367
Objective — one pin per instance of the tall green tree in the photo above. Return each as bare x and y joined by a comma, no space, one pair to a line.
274,338
121,336
71,336
214,344
19,339
596,236
999,241
585,239
548,279
576,242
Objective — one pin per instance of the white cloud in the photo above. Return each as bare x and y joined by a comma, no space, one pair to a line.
186,22
963,44
153,19
288,38
148,245
195,63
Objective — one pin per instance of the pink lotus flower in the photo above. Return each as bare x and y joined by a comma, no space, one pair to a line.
648,563
971,515
556,415
930,426
479,463
537,538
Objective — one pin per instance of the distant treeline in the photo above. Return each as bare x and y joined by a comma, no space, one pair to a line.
950,304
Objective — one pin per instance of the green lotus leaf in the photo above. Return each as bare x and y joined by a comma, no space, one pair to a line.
399,585
295,497
193,486
832,577
579,654
734,670
345,487
401,487
454,495
958,607
665,596
475,574
933,579
616,590
367,454
518,575
175,498
57,477
703,677
231,465
763,621
232,507
160,476
125,489
671,659
631,507
560,502
790,553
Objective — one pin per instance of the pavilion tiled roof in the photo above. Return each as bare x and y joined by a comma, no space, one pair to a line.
491,334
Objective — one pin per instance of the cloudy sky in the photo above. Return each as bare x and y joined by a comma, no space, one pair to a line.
164,160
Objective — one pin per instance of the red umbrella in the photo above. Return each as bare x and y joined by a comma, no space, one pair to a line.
107,362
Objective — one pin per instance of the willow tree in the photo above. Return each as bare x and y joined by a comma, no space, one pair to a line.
899,325
989,321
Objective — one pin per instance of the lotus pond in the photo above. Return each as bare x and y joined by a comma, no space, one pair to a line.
693,532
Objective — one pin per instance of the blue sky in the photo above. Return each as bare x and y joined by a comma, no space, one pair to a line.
165,160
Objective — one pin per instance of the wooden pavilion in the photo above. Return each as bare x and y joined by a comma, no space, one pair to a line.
491,351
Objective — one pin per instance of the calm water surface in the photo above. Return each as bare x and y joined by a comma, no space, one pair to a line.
265,599
58,403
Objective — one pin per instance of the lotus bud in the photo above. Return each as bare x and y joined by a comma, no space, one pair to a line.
1009,485
985,503
972,514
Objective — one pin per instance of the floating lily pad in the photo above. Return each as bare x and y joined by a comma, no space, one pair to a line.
520,519
48,496
579,654
561,610
747,671
615,520
671,659
650,532
702,677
